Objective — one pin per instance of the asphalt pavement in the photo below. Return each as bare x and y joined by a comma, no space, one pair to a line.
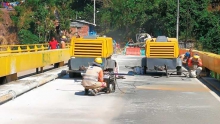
139,99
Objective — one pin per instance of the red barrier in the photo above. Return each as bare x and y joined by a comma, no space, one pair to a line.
183,51
133,51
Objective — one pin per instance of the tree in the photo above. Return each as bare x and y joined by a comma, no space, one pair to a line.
26,37
38,17
123,18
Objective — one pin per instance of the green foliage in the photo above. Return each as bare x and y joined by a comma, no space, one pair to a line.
209,37
26,37
38,17
88,13
124,18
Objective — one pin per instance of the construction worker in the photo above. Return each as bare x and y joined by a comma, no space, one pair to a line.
195,66
62,42
53,44
185,57
93,78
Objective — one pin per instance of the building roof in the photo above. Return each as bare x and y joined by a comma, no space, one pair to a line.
79,23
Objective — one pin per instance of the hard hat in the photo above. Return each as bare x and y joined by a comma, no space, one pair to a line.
63,37
187,54
98,60
195,56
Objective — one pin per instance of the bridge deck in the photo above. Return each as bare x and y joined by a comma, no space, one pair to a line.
152,99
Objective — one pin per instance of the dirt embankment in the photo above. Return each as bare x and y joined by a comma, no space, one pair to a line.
8,33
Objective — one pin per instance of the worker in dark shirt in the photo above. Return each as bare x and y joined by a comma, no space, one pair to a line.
53,43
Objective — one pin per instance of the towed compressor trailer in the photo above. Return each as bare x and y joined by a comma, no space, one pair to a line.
84,50
162,54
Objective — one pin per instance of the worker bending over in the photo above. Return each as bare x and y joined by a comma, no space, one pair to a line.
195,66
93,78
185,57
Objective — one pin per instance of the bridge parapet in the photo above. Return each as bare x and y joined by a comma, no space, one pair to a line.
23,48
18,58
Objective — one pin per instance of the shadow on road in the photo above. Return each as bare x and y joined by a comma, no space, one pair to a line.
155,74
66,90
82,93
34,73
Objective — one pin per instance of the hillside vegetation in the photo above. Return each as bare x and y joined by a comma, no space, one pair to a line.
8,32
122,19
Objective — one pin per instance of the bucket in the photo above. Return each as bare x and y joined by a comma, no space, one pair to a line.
142,51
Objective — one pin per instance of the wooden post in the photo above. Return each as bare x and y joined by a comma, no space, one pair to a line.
41,69
37,71
12,77
61,63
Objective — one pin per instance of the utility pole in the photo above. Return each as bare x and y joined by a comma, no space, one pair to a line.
177,23
94,11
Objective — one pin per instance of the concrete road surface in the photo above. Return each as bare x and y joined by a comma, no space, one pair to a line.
151,99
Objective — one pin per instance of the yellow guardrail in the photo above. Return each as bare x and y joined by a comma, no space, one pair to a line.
210,61
25,48
17,58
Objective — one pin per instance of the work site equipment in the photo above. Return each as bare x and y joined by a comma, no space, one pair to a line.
84,50
162,53
111,80
136,48
133,51
141,38
110,76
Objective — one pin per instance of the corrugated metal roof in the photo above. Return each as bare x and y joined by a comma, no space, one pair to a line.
79,23
76,24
